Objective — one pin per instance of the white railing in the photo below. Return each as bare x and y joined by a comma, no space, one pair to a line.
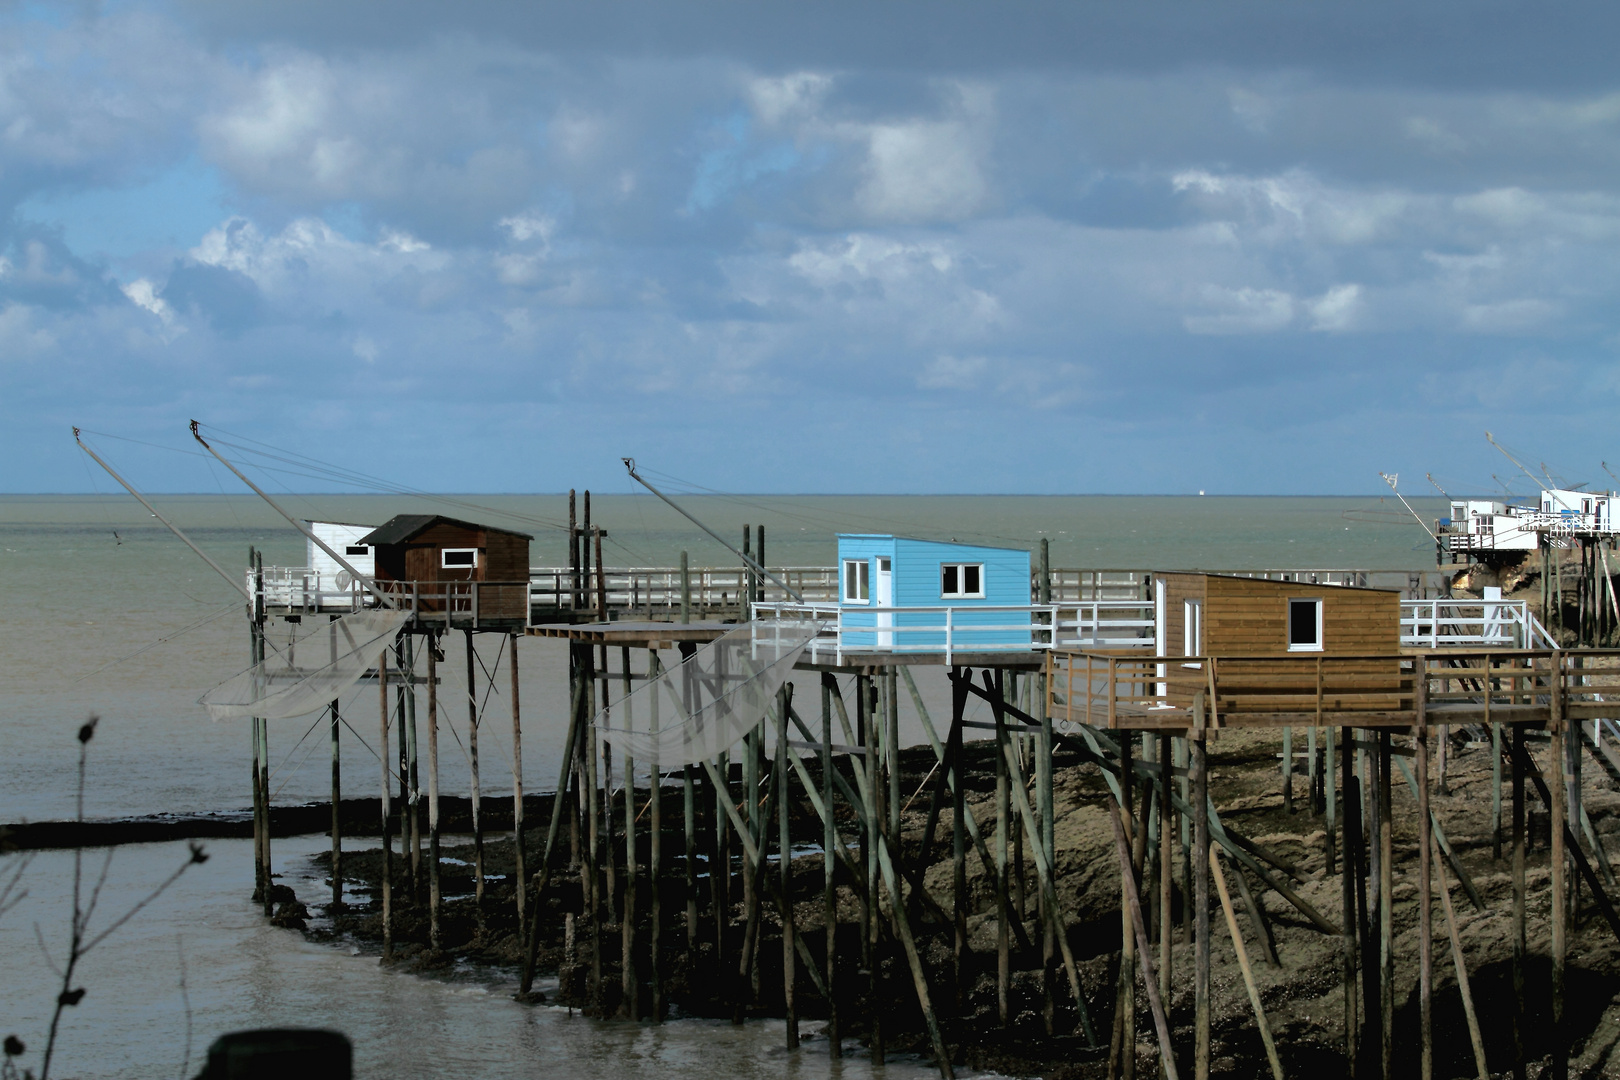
1436,624
948,629
1568,522
302,589
1106,624
656,590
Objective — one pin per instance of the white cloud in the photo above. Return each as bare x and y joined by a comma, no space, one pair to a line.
921,172
1242,311
1335,309
792,96
1508,316
142,293
952,373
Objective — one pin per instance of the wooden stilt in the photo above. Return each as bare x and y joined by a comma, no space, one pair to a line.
1459,962
1312,772
1124,1041
1330,797
1384,828
655,855
517,784
435,895
337,786
411,803
1243,963
1133,906
259,884
720,862
871,840
1003,932
784,844
942,1055
610,856
1519,949
630,978
829,887
1425,887
1496,791
559,806
959,893
593,851
1200,767
387,840
264,796
1167,868
1558,787
1348,896
261,888
262,735
1288,770
689,851
1044,872
1257,915
337,814
746,995
472,758
1051,920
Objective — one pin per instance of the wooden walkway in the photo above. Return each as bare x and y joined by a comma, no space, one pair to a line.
1402,691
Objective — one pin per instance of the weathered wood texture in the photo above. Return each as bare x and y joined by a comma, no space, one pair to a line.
1249,616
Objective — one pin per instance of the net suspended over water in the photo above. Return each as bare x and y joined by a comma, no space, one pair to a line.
307,674
701,707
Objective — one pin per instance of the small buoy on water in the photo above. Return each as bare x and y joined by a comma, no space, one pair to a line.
1200,491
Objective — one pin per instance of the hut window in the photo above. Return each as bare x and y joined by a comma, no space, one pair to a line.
961,579
857,581
357,549
1304,625
458,558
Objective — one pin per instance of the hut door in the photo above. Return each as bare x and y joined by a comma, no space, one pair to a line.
885,599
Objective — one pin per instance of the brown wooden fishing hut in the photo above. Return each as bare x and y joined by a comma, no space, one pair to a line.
439,562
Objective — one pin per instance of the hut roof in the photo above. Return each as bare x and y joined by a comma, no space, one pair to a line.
401,528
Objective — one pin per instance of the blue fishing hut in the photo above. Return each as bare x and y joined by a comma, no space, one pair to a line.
915,593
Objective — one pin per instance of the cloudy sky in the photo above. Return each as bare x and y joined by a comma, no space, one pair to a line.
922,247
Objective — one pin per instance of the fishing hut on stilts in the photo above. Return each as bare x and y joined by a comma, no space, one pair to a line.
713,843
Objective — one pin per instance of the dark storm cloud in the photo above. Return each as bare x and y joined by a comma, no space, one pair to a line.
1472,46
1040,243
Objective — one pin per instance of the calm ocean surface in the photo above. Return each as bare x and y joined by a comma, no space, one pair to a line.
105,612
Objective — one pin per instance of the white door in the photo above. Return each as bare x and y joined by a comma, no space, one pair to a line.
884,596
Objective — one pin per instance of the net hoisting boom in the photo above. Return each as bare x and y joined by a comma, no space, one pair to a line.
184,539
630,463
371,586
1390,478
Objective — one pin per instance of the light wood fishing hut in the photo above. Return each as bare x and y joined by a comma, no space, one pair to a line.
1241,654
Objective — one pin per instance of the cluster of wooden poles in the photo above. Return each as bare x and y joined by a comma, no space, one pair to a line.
1591,593
856,782
848,771
1365,866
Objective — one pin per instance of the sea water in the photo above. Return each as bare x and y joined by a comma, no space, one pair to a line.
105,613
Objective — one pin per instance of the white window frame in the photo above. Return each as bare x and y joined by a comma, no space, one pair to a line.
1192,630
855,579
1288,629
445,564
960,594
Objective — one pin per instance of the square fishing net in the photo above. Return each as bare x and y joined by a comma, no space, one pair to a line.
699,708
